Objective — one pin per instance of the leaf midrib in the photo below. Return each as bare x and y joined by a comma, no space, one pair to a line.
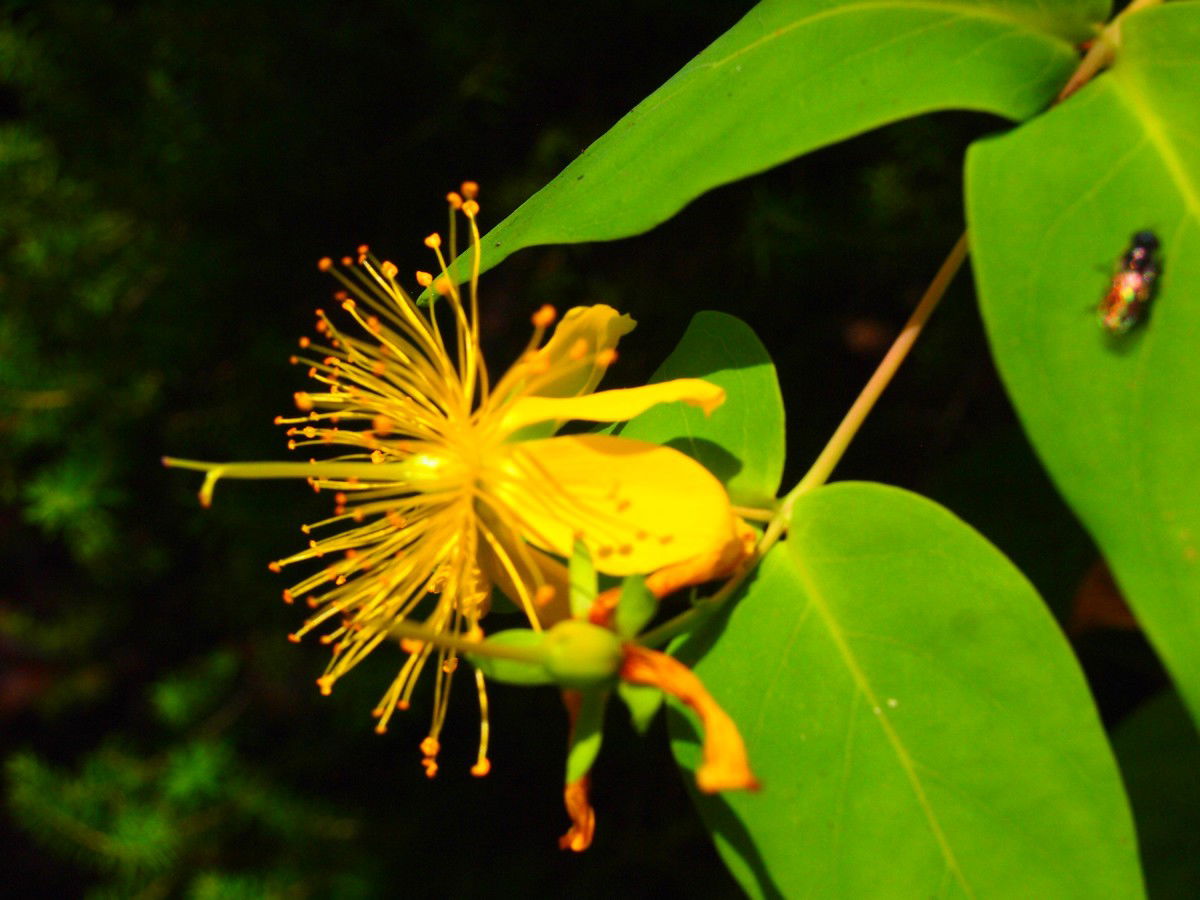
818,603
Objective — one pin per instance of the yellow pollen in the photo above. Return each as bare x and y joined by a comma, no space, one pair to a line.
450,665
411,645
470,190
545,316
304,342
454,199
294,638
303,401
442,286
433,241
424,279
388,269
578,349
470,209
481,768
381,425
430,747
544,595
325,264
347,260
606,357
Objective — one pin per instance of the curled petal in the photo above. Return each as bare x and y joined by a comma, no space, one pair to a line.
599,327
583,817
613,406
637,506
725,766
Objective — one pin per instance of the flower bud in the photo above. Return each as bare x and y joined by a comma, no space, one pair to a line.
581,655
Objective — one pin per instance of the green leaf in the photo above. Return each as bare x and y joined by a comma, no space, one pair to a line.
582,575
635,608
916,718
792,76
1116,421
513,671
1160,759
587,734
742,442
643,702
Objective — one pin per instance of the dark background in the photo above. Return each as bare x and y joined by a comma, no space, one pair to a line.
169,173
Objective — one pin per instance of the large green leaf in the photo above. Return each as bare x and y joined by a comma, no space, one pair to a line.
742,441
1116,420
792,76
919,724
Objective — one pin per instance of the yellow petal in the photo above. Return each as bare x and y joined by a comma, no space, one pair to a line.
637,506
614,406
599,327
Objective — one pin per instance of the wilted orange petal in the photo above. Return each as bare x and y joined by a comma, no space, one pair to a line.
725,766
583,817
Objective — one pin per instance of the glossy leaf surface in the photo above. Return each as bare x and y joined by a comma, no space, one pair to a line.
919,724
1115,419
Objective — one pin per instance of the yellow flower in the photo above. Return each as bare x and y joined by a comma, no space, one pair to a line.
454,482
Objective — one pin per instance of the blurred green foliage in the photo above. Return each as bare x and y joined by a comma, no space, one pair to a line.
169,172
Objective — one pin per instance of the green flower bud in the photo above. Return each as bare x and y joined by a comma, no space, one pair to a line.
581,655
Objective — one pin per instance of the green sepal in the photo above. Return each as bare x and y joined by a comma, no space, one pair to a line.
513,671
581,655
582,576
636,607
643,702
587,734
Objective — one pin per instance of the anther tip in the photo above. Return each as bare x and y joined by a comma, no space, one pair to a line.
433,241
470,189
324,263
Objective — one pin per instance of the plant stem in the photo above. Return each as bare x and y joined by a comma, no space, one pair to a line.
1102,52
836,448
829,457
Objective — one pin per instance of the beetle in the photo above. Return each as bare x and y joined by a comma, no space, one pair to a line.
1133,283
